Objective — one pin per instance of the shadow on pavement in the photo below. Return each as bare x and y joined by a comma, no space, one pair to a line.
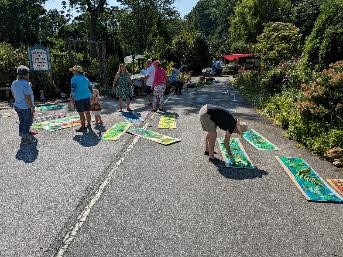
239,174
27,153
88,139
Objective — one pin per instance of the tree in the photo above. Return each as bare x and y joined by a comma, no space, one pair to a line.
10,58
20,21
142,21
305,14
325,44
278,42
251,15
189,48
211,18
94,8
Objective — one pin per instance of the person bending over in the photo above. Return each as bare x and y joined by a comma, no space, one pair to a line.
213,116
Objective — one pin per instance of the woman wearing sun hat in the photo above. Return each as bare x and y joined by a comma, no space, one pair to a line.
81,92
213,116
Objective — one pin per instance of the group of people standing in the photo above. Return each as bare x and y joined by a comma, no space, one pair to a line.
155,85
86,99
83,96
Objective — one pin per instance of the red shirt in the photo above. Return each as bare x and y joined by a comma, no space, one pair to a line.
160,76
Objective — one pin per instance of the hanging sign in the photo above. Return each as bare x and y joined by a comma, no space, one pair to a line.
39,57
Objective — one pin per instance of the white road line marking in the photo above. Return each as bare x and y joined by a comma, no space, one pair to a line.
81,219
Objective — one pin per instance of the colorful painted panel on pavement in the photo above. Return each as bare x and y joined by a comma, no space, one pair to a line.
336,184
49,107
258,141
240,157
167,121
311,185
116,131
57,124
154,136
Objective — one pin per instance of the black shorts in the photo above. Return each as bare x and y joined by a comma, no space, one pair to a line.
83,105
148,90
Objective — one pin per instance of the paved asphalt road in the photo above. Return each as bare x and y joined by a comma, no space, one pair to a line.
74,195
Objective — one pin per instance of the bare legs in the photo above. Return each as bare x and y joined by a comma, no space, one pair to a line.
120,104
85,116
98,120
210,142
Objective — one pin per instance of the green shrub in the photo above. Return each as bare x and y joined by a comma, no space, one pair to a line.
324,45
323,98
304,130
248,84
10,59
272,81
326,141
281,107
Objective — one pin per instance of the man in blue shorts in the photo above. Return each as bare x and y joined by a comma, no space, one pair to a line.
81,92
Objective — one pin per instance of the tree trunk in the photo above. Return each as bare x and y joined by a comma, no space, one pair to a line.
93,35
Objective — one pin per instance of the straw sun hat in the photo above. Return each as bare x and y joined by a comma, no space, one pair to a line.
77,68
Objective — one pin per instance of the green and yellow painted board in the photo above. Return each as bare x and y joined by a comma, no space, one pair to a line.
116,131
240,157
49,107
58,124
258,141
306,179
167,121
153,136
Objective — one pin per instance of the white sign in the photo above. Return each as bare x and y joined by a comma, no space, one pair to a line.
39,58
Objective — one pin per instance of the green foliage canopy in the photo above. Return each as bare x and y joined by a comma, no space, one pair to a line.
249,18
20,21
211,18
278,42
324,45
10,59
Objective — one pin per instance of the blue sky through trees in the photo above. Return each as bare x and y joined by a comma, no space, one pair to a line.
183,6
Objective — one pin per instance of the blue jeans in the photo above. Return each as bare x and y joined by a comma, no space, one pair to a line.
25,121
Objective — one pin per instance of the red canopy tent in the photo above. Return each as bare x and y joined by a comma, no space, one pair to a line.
233,57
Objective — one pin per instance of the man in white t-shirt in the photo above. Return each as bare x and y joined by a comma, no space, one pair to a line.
149,76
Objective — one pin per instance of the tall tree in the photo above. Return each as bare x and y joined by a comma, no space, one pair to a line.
95,8
325,44
20,21
278,42
211,18
305,15
251,15
143,21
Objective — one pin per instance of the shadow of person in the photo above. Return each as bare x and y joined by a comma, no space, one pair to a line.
101,129
27,153
87,139
172,113
238,174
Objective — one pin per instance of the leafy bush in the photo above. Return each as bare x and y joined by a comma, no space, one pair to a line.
248,83
323,98
272,81
281,108
322,143
324,45
10,59
278,42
